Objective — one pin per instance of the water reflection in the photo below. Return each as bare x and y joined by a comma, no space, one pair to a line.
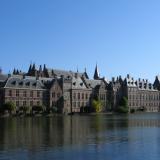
60,133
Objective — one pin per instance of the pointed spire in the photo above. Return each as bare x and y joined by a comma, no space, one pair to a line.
44,67
96,73
40,68
34,67
85,73
30,68
17,72
14,71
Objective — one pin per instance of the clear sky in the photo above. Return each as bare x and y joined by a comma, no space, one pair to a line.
122,36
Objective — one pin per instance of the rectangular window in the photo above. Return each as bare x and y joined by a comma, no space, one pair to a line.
74,96
78,95
24,103
38,93
38,103
10,93
82,95
31,103
58,95
17,93
31,94
24,94
86,96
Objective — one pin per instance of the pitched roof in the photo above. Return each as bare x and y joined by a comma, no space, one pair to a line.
77,83
26,83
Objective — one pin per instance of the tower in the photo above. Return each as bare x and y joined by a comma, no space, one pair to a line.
96,73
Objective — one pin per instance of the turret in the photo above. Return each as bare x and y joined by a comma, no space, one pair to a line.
96,73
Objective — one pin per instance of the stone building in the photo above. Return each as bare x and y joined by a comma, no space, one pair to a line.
67,91
73,92
141,95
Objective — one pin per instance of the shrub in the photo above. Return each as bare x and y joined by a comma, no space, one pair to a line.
97,105
10,106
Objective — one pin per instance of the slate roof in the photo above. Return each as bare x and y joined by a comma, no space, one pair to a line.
77,83
93,83
60,73
24,83
141,84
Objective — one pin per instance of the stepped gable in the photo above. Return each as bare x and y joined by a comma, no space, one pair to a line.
140,83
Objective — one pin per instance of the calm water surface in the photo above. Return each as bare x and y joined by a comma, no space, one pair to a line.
110,137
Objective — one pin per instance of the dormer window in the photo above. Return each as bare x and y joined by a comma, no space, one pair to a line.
28,83
14,82
20,83
34,84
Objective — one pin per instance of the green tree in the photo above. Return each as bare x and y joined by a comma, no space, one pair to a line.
10,106
123,106
97,105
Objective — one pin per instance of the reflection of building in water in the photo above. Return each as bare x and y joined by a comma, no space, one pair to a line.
36,133
144,123
71,92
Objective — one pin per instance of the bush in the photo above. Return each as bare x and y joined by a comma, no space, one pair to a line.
132,110
38,108
123,107
97,105
10,106
25,109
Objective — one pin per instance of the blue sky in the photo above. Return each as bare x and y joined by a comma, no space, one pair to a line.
122,36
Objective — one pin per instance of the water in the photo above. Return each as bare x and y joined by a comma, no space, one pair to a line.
94,137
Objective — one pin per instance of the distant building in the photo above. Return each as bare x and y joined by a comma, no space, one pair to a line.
73,92
69,92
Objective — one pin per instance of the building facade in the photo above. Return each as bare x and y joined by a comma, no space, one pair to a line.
73,92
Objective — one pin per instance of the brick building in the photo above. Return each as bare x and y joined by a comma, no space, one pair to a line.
73,92
67,91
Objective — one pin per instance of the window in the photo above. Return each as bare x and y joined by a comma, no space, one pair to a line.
38,93
17,93
31,94
31,103
58,95
10,93
86,96
82,95
24,103
24,94
74,96
38,103
78,95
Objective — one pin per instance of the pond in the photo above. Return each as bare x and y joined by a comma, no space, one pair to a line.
81,137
